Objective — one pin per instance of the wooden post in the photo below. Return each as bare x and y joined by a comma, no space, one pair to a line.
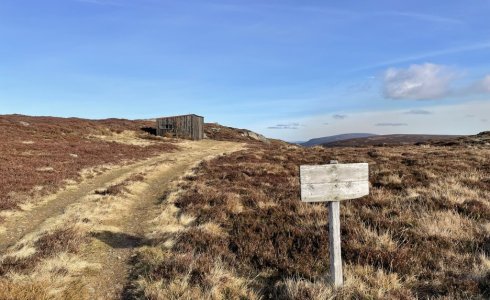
336,275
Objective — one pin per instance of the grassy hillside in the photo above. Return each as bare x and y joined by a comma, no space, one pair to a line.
39,154
236,228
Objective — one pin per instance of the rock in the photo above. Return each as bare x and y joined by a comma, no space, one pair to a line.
255,136
24,123
45,169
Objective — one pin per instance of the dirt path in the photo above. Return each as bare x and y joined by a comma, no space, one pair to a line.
119,229
17,226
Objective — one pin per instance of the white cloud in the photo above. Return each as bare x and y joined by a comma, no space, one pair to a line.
285,126
429,81
339,117
418,82
483,86
391,124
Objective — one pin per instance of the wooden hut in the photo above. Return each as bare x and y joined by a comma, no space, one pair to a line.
186,126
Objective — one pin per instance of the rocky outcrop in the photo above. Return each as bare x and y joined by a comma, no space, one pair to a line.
223,133
255,136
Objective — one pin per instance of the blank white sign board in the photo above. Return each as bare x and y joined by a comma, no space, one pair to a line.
334,182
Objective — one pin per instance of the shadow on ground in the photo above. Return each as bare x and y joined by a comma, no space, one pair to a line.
150,130
120,240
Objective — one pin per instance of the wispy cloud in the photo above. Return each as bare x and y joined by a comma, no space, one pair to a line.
281,7
339,117
418,112
362,14
101,2
360,87
426,55
421,16
391,124
334,11
285,126
482,86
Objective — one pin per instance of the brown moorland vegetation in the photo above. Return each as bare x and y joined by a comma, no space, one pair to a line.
38,154
423,232
81,249
236,229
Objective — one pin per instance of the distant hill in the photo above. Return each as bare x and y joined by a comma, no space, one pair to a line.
334,138
483,138
391,140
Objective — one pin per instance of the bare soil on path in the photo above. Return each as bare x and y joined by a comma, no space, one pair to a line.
17,226
118,230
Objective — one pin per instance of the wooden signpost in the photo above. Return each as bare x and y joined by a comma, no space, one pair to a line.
333,183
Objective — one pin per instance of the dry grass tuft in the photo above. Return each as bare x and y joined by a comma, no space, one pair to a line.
23,291
62,240
188,276
47,269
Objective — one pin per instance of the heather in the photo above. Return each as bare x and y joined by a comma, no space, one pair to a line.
39,154
423,232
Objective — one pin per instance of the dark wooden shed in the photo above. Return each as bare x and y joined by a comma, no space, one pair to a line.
186,126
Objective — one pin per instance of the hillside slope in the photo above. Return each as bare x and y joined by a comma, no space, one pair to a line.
40,154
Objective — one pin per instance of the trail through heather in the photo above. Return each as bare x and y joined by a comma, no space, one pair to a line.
112,249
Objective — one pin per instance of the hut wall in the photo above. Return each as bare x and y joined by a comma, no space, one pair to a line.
187,126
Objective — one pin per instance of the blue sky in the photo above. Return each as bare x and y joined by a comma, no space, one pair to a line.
289,69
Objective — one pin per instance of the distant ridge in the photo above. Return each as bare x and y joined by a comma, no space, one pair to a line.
335,138
392,140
